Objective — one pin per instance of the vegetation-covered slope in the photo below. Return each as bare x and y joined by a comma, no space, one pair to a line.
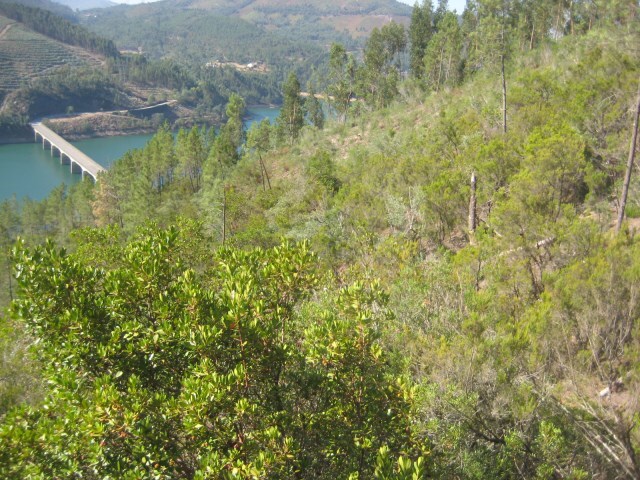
67,68
56,7
26,55
54,26
417,344
197,38
319,23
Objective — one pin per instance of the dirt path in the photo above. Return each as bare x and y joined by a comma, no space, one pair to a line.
5,30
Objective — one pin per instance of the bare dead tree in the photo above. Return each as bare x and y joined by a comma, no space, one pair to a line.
472,205
224,214
504,96
630,162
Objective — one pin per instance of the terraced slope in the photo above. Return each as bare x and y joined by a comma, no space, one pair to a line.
25,55
3,23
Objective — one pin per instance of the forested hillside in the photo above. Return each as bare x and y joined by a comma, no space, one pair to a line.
212,46
49,65
55,7
303,22
53,26
430,283
25,55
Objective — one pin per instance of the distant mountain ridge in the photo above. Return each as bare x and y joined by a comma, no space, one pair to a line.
357,18
284,6
56,7
319,22
86,4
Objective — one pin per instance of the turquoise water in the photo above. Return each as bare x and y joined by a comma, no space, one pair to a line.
26,170
259,113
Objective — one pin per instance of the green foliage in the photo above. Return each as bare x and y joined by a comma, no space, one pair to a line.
323,169
420,31
414,346
191,150
155,369
164,73
291,118
85,88
379,75
19,374
313,107
51,25
341,81
442,58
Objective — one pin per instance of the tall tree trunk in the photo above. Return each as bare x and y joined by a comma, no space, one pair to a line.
504,96
555,35
264,168
472,205
571,16
533,30
440,69
632,155
264,185
10,280
503,53
224,214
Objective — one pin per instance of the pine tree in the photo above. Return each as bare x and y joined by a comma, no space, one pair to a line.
314,108
420,32
443,56
291,118
341,82
379,75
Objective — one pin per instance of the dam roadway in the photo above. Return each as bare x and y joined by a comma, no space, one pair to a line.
69,155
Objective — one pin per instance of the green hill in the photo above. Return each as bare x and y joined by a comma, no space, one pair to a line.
55,7
196,37
26,55
319,23
219,39
50,65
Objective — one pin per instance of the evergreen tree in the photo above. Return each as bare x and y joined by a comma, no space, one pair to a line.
443,56
291,118
227,145
341,82
494,41
259,140
314,108
162,160
379,75
420,31
441,11
192,153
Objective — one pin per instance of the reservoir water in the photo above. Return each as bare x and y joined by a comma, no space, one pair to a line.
28,170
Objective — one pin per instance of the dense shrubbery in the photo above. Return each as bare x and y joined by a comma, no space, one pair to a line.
172,362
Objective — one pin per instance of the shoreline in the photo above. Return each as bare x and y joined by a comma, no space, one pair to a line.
100,133
82,136
121,133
